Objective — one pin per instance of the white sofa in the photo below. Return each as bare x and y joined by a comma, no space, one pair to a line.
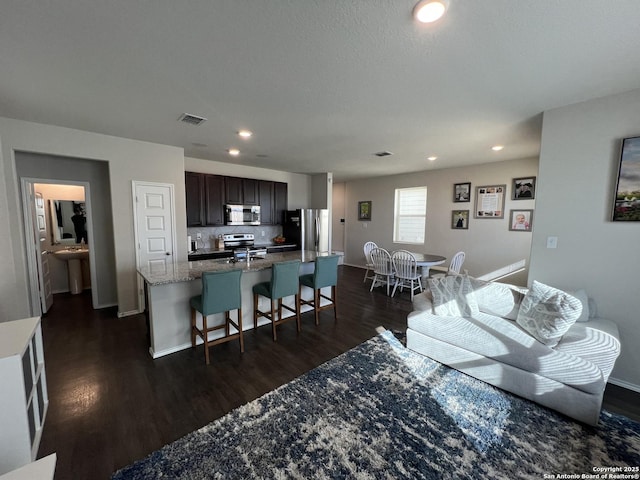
491,346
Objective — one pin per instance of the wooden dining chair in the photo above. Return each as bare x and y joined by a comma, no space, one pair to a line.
382,268
369,263
454,267
406,272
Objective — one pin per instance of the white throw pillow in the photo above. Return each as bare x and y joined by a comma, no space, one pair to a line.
547,313
581,295
453,296
498,299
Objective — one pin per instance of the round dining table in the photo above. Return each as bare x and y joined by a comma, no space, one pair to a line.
427,260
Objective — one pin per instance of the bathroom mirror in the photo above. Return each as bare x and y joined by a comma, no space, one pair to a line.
68,222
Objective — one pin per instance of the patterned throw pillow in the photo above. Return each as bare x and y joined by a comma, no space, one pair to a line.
547,313
453,296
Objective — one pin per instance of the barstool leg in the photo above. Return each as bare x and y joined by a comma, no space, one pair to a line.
273,321
205,337
255,312
333,299
316,304
297,300
240,330
193,327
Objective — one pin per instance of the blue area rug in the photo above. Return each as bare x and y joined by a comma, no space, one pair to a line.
382,411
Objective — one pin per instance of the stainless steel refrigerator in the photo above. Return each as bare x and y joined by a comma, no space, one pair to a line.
308,227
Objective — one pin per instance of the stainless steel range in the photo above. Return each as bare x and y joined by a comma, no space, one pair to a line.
243,244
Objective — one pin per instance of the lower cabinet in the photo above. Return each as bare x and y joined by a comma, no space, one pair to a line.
24,399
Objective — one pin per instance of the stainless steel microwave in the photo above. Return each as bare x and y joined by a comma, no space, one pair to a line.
242,215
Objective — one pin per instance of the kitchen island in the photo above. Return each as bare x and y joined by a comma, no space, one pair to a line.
168,293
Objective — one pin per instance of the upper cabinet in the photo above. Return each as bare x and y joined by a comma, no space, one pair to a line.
241,191
194,186
214,199
206,196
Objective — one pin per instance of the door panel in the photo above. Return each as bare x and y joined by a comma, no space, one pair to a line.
154,218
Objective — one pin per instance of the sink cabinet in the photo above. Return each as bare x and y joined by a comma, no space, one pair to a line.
24,399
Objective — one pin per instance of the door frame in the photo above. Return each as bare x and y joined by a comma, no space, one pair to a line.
135,184
28,217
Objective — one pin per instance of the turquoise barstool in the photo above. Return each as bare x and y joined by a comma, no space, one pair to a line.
324,275
220,294
284,283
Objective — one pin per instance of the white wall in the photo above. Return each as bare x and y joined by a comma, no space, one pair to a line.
488,243
578,168
338,214
128,160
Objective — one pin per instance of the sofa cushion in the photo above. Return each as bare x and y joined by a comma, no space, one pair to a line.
581,295
498,299
547,313
453,296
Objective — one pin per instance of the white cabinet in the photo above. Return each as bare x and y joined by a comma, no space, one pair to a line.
23,392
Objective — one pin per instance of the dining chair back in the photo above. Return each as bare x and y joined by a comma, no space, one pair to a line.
406,272
220,294
369,263
284,283
456,262
325,274
382,268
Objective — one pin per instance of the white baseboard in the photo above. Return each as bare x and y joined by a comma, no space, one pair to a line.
129,313
623,384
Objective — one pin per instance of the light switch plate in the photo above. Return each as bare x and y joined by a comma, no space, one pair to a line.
552,242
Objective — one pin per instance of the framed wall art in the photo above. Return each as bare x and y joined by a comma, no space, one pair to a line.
626,207
460,219
364,210
462,192
523,188
490,201
521,220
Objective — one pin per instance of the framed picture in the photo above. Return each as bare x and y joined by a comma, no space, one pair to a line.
460,219
490,201
523,188
364,210
626,207
462,192
521,220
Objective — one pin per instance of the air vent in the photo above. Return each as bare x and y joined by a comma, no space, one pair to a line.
191,119
384,153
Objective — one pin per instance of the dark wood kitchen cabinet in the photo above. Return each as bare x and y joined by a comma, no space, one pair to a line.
194,188
207,195
280,202
241,191
273,201
214,199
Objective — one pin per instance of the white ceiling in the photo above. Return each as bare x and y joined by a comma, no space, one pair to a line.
323,83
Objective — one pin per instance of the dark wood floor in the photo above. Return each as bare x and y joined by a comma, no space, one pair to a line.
111,404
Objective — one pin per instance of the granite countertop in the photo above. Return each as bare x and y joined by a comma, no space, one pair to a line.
187,271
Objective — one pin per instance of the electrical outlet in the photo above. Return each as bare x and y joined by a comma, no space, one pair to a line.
198,236
552,242
262,233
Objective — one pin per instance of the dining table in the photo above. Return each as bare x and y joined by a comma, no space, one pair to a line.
427,260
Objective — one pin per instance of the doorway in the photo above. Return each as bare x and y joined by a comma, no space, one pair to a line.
45,203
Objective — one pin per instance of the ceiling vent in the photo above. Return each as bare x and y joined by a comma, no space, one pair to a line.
384,153
191,119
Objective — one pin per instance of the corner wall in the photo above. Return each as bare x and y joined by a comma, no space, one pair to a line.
488,243
128,160
578,170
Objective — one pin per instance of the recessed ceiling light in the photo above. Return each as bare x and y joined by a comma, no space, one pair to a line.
497,148
245,133
427,11
234,151
432,158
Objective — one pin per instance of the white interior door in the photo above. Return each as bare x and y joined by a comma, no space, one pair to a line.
155,219
42,260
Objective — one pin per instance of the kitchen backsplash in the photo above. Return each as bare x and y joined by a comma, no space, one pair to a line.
263,233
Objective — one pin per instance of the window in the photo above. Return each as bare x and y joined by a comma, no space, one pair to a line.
410,214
